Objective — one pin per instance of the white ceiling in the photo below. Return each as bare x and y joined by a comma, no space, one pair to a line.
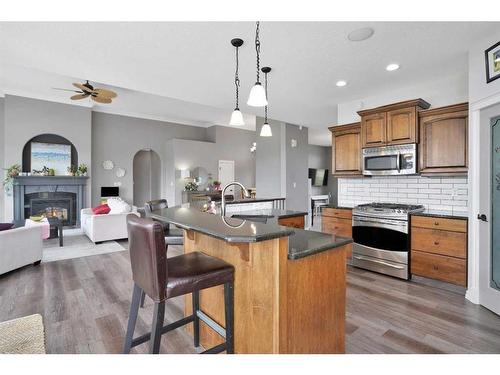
184,70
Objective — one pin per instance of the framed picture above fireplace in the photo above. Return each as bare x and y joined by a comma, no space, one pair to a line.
51,155
51,151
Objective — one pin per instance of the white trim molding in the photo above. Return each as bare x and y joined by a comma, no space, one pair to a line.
475,108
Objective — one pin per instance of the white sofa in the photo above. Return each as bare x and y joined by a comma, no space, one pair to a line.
105,227
20,247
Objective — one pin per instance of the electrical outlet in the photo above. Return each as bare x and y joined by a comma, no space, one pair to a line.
294,185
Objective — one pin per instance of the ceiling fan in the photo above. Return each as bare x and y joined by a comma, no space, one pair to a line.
86,89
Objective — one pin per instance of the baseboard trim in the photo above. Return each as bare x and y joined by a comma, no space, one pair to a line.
472,294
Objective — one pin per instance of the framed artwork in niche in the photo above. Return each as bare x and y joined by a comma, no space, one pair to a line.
50,155
492,60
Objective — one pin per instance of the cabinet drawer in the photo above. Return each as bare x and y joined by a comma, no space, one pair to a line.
338,226
294,222
337,212
439,242
454,225
448,269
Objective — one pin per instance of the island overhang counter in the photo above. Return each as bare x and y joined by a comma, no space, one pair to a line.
290,284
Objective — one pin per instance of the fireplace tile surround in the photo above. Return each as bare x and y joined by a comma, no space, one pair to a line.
65,191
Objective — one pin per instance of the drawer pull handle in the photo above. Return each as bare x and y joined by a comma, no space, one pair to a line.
360,257
436,223
436,243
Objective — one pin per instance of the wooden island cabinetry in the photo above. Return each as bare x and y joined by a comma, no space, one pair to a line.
443,140
346,150
392,124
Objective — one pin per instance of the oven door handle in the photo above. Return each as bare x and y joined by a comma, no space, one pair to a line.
358,257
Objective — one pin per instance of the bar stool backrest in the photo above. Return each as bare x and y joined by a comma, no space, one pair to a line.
148,256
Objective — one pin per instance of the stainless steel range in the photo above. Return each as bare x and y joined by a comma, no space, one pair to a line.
380,232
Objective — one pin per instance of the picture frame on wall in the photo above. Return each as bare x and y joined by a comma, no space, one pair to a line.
492,60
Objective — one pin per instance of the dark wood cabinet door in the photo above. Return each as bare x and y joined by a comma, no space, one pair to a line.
443,140
373,130
402,126
346,150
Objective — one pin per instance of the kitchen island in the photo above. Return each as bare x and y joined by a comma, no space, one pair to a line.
290,284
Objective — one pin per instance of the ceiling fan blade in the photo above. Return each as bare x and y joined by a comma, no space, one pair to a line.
82,87
57,88
101,100
79,96
103,93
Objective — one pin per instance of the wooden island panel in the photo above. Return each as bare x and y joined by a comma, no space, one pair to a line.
281,305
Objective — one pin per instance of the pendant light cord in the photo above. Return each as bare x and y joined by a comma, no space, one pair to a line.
265,87
237,79
257,49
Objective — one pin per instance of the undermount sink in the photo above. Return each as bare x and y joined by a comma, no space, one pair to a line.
256,218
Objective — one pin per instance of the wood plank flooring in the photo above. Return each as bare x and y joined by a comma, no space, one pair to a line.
84,303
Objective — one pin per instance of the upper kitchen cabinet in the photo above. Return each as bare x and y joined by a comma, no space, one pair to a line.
391,124
443,140
346,149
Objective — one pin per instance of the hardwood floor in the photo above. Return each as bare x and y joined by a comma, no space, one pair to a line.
85,303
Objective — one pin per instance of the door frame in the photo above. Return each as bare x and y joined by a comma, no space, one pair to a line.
472,293
219,168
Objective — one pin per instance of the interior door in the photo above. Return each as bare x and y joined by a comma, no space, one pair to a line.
226,174
489,232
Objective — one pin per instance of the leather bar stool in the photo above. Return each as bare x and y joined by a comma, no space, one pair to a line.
161,278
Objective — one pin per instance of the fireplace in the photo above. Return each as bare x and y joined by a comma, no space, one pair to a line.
52,204
59,196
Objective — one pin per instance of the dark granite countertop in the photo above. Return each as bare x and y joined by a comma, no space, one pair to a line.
337,206
306,242
251,200
443,214
302,243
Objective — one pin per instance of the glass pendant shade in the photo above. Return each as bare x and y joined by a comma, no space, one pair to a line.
257,97
237,118
265,131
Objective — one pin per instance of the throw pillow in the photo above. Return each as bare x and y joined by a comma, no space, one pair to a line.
103,209
118,206
6,226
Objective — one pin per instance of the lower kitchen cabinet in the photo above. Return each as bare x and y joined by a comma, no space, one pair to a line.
338,221
439,248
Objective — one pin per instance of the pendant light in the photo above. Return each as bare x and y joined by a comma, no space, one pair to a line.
265,131
257,97
236,116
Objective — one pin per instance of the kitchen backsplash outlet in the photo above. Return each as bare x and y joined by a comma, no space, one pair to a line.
446,194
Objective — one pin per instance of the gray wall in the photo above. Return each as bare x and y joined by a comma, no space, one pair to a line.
270,164
2,165
26,118
224,144
297,168
119,138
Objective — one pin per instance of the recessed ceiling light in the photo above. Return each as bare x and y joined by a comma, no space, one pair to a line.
392,67
360,34
341,83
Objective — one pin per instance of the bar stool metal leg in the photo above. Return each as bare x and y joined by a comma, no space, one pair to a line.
196,321
156,328
132,318
143,297
229,316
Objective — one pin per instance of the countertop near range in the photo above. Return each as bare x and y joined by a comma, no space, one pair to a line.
336,206
443,214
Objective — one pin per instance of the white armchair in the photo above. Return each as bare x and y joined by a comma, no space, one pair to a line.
20,247
107,227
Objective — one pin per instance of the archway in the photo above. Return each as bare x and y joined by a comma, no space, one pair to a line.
40,149
146,176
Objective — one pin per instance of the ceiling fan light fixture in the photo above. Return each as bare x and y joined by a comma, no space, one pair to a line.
237,118
266,131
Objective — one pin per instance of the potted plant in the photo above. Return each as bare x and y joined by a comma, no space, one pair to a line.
191,186
12,171
72,170
82,169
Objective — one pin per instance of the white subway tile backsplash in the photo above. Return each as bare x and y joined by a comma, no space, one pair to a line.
444,194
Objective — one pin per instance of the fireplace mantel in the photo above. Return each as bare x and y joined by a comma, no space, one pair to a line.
37,184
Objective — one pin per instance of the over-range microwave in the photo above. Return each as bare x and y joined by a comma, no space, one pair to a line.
390,160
